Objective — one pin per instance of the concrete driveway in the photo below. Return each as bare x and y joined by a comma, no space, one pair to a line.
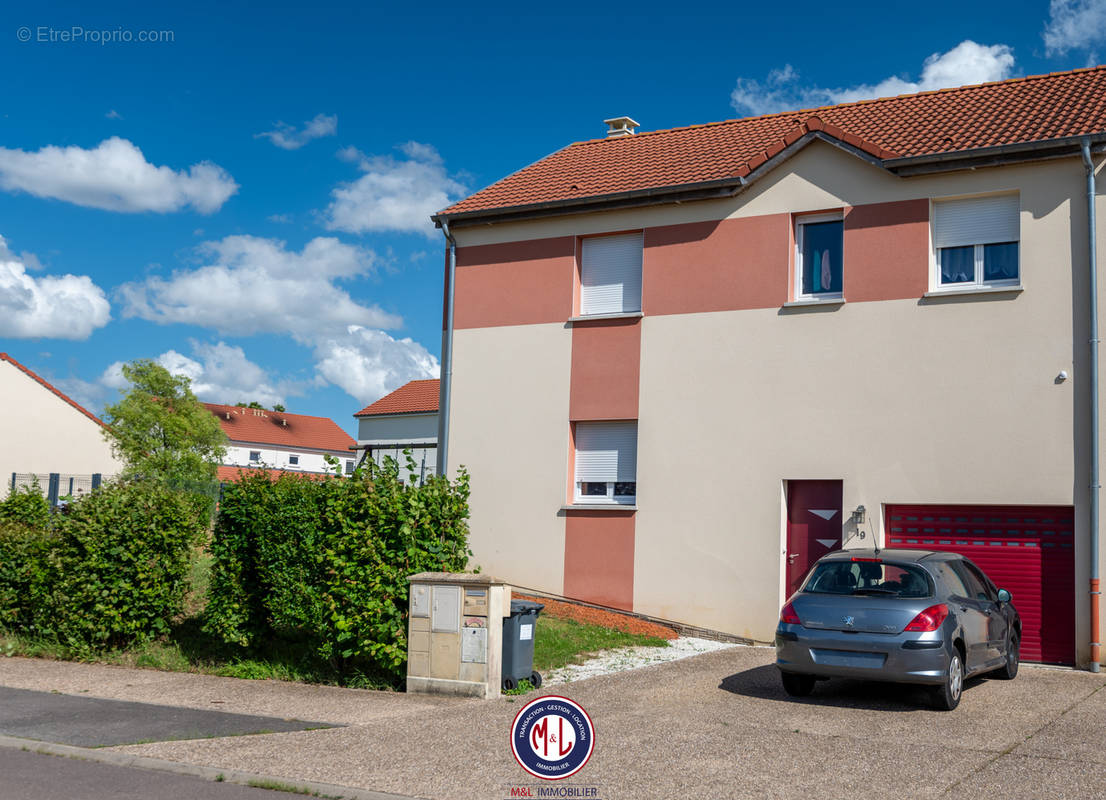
716,724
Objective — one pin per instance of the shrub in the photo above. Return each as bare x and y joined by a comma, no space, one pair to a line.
123,563
28,575
26,505
328,560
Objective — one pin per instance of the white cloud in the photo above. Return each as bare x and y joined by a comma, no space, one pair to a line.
51,307
27,258
368,364
113,114
283,219
220,373
287,137
393,194
1075,25
256,285
114,176
967,63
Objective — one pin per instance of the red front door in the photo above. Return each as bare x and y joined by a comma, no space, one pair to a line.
813,526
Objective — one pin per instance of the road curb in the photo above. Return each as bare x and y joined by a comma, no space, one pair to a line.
195,770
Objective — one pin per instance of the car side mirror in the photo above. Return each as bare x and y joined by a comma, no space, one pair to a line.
1004,596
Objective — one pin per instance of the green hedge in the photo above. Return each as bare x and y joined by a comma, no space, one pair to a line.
123,556
111,571
327,561
26,505
28,577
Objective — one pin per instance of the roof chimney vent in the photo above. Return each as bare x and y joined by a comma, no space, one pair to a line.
621,126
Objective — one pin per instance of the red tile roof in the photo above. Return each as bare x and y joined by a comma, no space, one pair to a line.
261,426
47,385
230,474
411,398
1022,110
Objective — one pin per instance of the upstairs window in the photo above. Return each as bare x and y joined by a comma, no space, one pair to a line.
976,240
606,462
294,461
819,251
255,455
610,274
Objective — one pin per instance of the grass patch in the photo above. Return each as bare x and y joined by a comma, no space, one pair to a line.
558,642
277,786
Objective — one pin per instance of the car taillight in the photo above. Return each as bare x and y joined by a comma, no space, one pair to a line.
930,619
788,615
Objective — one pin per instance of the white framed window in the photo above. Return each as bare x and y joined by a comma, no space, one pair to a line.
606,462
819,256
976,242
610,274
349,466
255,455
294,461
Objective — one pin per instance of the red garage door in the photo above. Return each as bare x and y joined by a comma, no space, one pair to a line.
1029,550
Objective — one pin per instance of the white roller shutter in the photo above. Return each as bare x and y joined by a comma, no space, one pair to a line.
610,274
606,451
976,220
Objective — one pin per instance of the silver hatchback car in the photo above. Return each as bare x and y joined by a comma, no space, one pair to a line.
908,616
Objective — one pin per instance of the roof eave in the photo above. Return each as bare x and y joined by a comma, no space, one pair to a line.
1042,150
363,415
902,167
704,190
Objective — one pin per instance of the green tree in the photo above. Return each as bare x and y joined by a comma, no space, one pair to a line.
251,404
161,431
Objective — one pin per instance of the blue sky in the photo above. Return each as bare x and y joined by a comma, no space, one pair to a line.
246,198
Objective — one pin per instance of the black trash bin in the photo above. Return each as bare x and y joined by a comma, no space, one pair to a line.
518,644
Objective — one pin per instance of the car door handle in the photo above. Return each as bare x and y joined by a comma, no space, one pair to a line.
791,558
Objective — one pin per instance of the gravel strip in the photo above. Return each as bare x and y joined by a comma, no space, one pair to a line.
633,658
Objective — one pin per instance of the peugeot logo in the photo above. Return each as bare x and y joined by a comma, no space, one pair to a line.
848,621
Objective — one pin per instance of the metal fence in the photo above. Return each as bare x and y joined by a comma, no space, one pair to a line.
425,455
56,485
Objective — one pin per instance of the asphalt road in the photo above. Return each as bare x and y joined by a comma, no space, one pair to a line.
34,776
96,722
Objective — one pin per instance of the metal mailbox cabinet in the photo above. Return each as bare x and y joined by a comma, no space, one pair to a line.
455,634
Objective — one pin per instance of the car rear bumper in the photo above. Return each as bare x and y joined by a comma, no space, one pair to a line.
901,658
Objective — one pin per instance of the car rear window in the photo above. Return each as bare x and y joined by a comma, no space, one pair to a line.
869,577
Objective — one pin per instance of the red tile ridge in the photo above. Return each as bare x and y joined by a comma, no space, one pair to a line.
46,384
799,112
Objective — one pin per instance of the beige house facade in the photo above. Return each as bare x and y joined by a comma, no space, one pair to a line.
44,431
844,346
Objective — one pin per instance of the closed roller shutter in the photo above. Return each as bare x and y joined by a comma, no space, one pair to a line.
1029,550
610,274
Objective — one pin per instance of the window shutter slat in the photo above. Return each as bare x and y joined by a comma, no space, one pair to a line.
976,220
610,274
606,451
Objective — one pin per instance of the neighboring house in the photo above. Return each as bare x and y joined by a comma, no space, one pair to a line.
279,441
406,419
44,431
724,350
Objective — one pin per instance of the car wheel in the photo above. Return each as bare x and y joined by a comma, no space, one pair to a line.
1009,670
947,695
535,679
797,685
